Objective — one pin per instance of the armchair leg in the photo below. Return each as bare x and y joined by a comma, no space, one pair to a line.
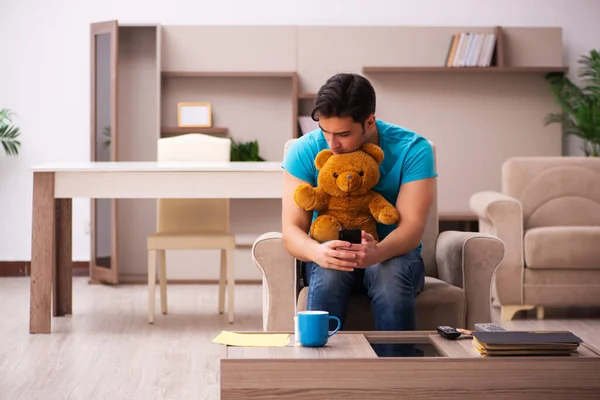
508,312
151,284
222,281
162,278
230,284
540,312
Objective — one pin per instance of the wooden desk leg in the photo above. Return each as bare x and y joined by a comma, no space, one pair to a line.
42,252
63,279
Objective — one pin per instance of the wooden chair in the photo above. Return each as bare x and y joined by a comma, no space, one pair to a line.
192,224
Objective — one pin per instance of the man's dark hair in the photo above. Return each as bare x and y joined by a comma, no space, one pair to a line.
345,95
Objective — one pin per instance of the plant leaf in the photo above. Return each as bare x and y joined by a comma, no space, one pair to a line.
6,116
245,151
552,118
580,106
9,133
590,72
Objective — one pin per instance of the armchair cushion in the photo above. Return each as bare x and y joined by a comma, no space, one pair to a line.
562,247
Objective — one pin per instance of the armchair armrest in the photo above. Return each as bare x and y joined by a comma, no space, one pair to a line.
468,260
279,276
502,216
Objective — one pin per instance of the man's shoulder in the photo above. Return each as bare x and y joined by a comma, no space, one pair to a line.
308,144
300,155
395,131
408,153
398,139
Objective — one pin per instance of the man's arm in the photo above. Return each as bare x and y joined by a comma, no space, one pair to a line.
413,203
295,221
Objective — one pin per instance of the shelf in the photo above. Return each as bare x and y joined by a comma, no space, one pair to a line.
167,131
463,70
307,96
226,74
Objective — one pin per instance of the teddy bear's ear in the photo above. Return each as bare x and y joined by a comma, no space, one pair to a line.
374,151
322,158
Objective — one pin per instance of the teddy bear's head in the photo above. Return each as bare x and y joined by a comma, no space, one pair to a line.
352,173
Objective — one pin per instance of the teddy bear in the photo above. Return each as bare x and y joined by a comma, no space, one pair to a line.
344,197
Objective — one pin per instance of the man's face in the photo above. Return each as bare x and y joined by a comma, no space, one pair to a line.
343,134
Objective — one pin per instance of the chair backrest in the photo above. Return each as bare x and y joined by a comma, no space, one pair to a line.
431,229
193,215
554,191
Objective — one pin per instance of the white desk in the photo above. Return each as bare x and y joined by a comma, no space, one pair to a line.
55,184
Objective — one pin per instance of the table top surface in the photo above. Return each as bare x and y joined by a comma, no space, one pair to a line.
359,345
159,166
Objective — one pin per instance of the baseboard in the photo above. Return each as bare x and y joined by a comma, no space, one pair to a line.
23,268
82,268
142,279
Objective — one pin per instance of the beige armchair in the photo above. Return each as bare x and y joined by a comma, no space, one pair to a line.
459,268
548,216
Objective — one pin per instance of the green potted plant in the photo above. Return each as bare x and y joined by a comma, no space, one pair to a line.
9,133
580,106
245,151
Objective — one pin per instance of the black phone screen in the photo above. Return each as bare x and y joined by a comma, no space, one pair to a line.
352,235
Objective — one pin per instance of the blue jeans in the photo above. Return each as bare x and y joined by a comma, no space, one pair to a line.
391,285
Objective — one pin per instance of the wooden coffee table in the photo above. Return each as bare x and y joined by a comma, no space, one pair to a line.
349,368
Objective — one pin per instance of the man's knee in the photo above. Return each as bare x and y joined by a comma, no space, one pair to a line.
329,290
331,280
399,276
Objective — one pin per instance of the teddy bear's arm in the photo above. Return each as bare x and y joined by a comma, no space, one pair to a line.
322,199
310,198
382,210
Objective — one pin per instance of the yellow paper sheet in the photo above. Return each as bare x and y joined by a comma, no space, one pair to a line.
253,339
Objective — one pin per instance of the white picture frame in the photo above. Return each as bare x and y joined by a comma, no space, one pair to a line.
194,115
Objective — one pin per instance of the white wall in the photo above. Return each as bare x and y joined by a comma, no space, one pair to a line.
45,68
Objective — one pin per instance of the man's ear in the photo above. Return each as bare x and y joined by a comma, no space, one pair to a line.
370,122
322,158
374,151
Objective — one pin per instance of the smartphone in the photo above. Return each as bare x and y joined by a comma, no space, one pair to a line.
352,235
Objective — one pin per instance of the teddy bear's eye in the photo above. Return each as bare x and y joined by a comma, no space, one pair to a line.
335,175
361,173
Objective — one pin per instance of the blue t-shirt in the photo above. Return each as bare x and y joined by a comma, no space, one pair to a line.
407,157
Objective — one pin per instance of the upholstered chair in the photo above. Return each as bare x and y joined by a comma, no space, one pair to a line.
548,216
459,268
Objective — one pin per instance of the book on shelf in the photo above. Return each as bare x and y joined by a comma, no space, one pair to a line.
471,49
307,124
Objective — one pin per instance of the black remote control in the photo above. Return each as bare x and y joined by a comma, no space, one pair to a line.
448,332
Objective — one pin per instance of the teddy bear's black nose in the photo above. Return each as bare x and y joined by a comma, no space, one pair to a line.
349,177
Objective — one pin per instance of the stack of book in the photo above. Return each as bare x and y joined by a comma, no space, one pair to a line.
471,49
517,343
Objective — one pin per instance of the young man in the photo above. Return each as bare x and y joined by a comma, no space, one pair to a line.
391,271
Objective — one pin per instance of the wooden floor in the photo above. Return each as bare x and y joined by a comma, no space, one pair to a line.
108,350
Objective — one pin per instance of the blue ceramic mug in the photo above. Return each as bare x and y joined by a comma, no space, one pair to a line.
313,328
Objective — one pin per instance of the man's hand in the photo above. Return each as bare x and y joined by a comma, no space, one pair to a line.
335,255
366,252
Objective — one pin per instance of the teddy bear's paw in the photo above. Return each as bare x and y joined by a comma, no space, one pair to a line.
305,196
325,228
388,216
